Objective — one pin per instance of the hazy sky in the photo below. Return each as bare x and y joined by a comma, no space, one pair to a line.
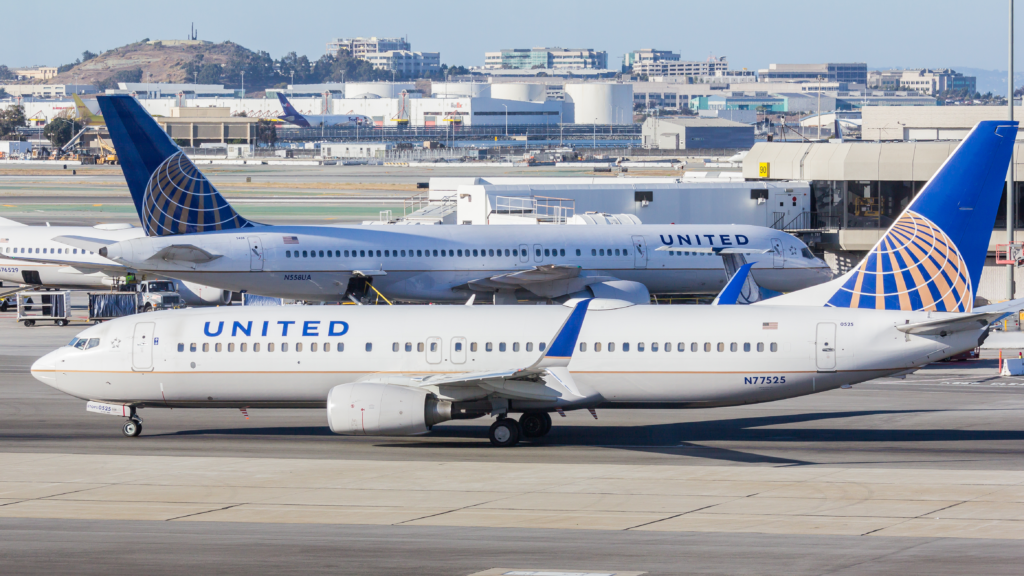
751,33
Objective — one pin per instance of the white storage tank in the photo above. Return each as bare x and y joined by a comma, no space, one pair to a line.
460,89
377,89
600,102
520,91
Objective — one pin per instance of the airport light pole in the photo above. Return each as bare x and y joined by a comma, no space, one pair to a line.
595,134
506,121
243,83
1010,287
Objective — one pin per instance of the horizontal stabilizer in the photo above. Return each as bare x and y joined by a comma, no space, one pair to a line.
950,325
8,222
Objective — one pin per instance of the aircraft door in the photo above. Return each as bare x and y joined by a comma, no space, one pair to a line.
142,346
433,350
458,352
778,255
524,253
255,254
825,347
537,253
639,252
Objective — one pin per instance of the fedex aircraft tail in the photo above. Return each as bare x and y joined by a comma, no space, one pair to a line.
171,195
85,114
932,256
291,115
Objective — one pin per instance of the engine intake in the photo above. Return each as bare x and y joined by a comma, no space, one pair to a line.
374,409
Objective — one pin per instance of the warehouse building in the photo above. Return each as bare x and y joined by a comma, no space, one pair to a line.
690,133
928,123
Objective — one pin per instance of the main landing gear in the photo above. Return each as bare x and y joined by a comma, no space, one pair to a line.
133,426
507,432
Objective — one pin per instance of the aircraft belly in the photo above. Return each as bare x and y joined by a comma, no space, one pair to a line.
325,286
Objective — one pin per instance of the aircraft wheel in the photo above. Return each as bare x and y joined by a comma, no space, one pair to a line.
131,428
535,424
504,433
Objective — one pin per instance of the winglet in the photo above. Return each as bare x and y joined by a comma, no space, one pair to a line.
561,348
731,293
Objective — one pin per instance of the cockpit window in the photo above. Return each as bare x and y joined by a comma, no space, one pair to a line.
73,341
93,342
81,343
807,254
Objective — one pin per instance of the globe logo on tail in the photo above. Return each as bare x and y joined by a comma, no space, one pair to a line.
180,200
915,267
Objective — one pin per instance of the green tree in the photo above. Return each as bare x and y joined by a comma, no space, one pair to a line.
266,133
5,73
86,56
60,131
210,74
10,120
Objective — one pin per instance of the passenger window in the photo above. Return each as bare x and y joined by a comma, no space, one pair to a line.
515,346
597,346
394,347
346,253
231,346
529,346
419,346
369,347
460,253
654,346
721,347
490,252
693,347
287,253
243,347
403,253
284,346
181,346
542,346
362,253
681,347
733,347
707,346
298,346
501,347
322,254
583,346
668,346
340,347
506,252
617,253
488,347
639,346
458,346
387,253
408,346
561,252
547,252
760,346
305,254
312,347
774,347
578,252
256,347
472,347
270,346
206,347
611,346
538,252
601,252
515,251
331,254
625,346
746,346
419,253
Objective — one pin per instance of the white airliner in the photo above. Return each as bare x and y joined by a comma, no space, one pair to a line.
292,116
195,235
400,370
29,256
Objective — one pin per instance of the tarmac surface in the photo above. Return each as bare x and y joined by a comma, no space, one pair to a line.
922,475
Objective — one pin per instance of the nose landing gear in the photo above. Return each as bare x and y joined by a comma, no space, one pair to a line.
131,428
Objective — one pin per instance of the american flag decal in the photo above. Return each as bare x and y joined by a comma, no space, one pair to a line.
291,239
769,325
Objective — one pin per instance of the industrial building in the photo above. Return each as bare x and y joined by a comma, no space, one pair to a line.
690,133
47,90
928,123
405,62
860,188
35,73
851,73
646,55
544,58
362,47
685,68
194,127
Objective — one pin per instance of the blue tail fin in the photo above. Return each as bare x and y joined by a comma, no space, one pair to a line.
291,115
932,256
171,195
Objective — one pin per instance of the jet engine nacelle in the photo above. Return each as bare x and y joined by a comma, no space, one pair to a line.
199,295
370,408
627,290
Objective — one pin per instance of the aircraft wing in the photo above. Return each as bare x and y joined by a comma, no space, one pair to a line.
84,242
81,267
547,378
714,249
548,280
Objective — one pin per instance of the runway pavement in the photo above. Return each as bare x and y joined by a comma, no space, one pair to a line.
908,475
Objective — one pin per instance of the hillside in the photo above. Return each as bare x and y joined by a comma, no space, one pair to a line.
166,63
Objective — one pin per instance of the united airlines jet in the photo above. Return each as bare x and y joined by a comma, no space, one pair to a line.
194,234
401,370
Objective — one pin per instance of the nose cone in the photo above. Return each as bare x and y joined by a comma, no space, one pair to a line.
45,369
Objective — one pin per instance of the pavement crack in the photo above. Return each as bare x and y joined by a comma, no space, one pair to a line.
203,512
671,517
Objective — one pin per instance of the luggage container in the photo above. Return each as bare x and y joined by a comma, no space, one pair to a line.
110,305
43,306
